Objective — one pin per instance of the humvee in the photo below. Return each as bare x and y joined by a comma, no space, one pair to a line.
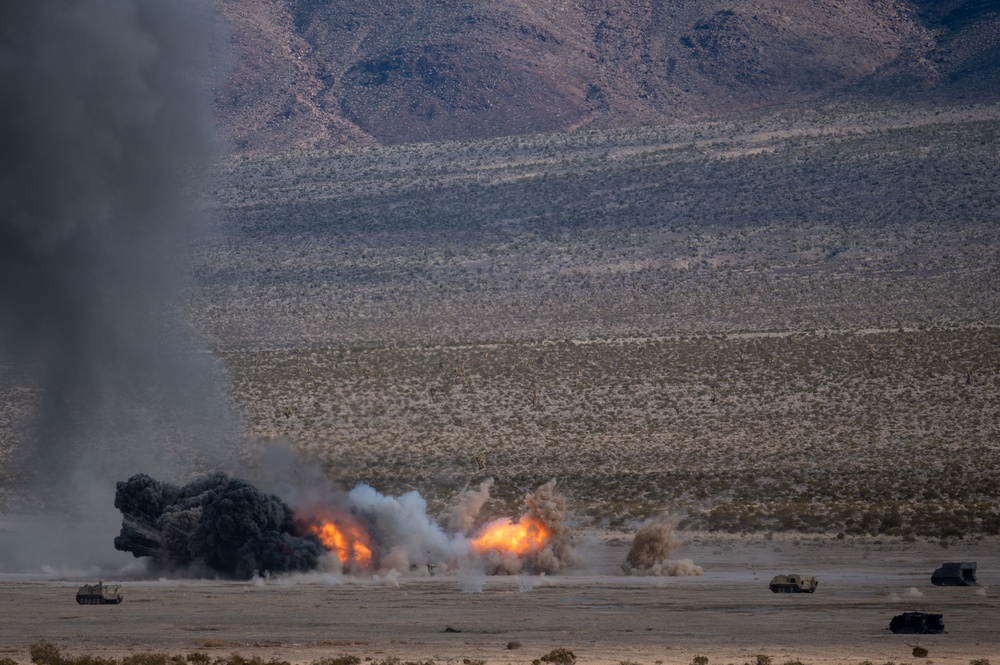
794,584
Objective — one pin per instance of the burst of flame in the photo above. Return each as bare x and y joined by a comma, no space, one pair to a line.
341,534
526,536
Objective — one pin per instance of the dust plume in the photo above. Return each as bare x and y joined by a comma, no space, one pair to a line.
460,516
654,543
106,142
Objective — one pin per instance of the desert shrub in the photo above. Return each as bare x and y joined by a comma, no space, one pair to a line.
980,661
919,652
237,659
89,660
557,657
699,660
628,662
473,661
45,653
760,659
8,661
339,660
514,644
146,659
198,658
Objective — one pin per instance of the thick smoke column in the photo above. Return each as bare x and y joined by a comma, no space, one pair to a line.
220,521
104,135
652,548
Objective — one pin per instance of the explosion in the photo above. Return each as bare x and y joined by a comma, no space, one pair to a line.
539,542
526,536
233,528
341,534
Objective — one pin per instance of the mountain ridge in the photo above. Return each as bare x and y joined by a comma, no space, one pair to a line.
321,74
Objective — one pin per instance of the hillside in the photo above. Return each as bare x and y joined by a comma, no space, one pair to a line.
319,74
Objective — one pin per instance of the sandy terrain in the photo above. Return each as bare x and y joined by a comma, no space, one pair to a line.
601,615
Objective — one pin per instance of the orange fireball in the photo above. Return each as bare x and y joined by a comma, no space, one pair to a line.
342,534
526,536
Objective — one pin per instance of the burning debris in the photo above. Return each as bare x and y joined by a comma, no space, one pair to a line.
220,521
236,530
650,553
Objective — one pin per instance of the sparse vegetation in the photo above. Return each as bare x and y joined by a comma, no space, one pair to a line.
557,657
919,652
339,660
46,653
633,425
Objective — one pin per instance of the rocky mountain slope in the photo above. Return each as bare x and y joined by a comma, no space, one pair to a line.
311,73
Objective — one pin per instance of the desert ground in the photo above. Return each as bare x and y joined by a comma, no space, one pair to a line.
781,329
603,616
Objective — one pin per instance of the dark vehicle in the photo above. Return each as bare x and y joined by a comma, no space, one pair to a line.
99,594
955,573
793,584
917,622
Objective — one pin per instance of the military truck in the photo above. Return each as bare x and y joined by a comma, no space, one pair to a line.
794,584
917,622
99,594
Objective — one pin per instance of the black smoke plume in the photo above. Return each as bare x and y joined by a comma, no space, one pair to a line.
219,521
105,140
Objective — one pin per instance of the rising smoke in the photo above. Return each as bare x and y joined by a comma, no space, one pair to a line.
655,542
104,135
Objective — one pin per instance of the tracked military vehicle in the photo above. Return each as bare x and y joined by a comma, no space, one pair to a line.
793,584
99,594
955,573
921,623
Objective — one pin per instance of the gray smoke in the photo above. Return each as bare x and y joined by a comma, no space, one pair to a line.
222,522
103,141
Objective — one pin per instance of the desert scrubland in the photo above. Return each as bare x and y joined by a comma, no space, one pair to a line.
765,322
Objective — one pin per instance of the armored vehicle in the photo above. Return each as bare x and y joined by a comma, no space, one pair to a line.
917,622
99,594
794,584
955,574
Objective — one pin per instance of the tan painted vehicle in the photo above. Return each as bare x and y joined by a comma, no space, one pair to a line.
794,584
99,594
